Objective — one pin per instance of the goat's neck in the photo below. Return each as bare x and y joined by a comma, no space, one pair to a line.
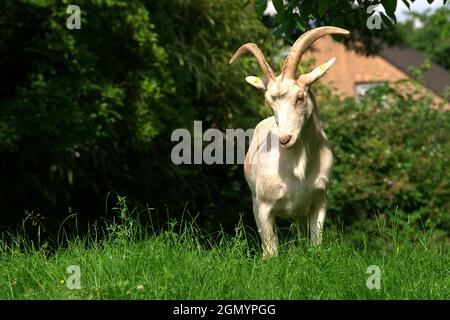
304,152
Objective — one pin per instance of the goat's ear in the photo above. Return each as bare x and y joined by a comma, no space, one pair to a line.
256,82
317,73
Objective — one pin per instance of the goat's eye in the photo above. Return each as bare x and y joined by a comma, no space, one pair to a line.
300,98
269,98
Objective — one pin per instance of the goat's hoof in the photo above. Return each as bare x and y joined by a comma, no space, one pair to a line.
269,255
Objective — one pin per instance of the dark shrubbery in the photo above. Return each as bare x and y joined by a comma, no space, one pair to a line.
392,153
85,112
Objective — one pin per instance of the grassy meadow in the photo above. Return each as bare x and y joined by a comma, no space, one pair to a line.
182,262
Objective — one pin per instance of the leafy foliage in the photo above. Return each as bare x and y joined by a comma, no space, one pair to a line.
85,112
433,38
297,16
76,103
391,156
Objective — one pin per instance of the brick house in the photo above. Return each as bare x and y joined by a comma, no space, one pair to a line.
354,73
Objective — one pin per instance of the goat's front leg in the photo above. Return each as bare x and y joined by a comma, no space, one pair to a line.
317,218
265,221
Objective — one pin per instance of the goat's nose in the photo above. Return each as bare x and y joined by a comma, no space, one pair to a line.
285,139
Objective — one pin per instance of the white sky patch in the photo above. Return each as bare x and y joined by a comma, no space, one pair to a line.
401,11
418,6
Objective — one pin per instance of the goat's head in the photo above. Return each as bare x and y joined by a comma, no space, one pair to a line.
287,94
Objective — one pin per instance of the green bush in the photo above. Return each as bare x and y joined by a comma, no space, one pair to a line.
391,157
74,103
85,112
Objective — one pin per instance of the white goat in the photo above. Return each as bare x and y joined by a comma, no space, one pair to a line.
291,181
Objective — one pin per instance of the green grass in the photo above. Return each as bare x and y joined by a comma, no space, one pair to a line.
181,263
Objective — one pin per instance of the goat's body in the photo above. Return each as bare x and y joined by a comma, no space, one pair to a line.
290,182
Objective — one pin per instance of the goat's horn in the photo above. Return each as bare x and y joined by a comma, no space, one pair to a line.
302,44
253,48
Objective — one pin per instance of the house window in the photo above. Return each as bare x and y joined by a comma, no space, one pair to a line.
361,88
